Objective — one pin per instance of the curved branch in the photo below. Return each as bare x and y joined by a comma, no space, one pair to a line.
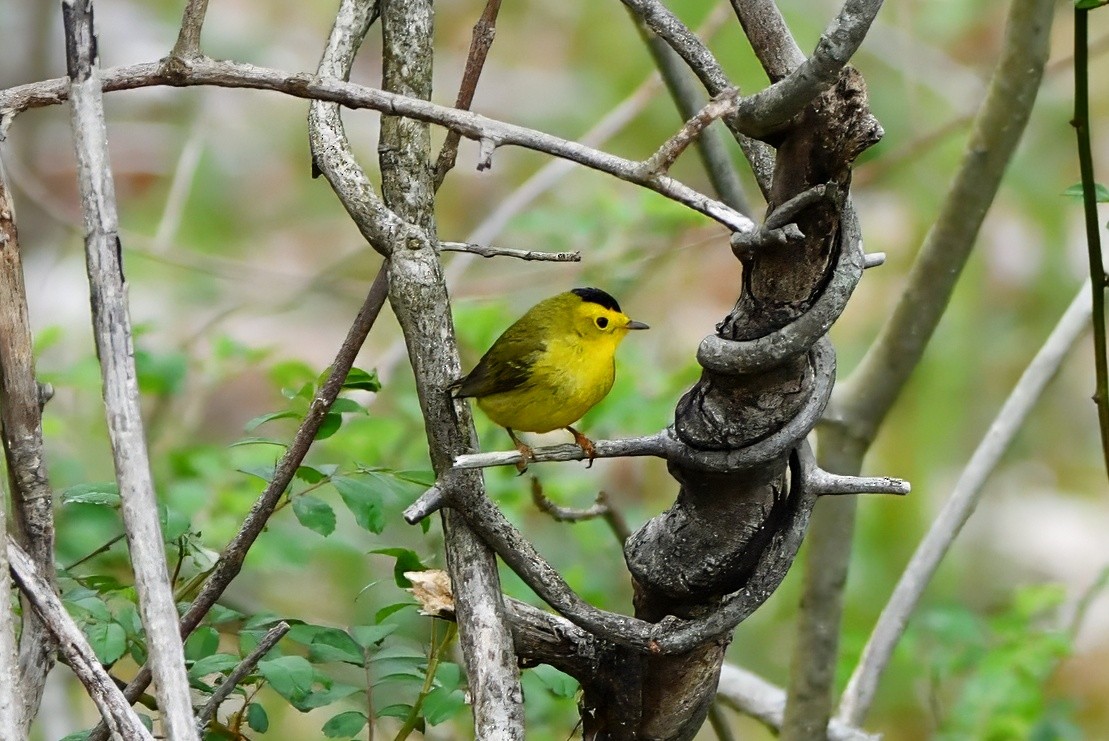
767,110
205,71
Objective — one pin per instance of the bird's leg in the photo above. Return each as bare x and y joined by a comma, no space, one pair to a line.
524,449
585,444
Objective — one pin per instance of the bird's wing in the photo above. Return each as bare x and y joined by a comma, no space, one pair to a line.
494,376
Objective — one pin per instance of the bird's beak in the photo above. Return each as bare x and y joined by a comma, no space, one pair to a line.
636,325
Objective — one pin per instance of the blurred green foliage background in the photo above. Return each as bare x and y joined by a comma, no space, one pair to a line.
245,274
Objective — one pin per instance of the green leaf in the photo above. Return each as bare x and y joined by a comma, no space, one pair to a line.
332,644
256,718
442,704
363,502
256,441
388,610
332,421
203,642
400,710
291,677
561,685
310,474
362,380
162,374
108,641
348,406
1101,192
1089,4
257,422
406,561
104,493
214,664
323,698
315,514
345,725
369,636
263,472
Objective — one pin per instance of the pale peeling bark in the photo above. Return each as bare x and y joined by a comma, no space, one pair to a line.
419,299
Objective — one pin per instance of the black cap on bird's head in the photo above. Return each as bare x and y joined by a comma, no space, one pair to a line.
597,296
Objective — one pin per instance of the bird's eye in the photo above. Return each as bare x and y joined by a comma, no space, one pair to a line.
602,322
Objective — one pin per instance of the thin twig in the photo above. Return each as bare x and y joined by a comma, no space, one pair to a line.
204,71
112,330
601,507
245,667
1081,123
688,97
102,549
665,156
484,32
116,710
487,251
959,507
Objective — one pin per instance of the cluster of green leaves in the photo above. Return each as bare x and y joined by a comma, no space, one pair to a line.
987,675
359,671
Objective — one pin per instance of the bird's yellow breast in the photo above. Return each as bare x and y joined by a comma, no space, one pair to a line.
569,377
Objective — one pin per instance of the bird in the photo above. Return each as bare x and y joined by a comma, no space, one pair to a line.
550,367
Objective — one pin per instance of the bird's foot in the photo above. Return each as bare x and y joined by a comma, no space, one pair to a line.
586,446
527,455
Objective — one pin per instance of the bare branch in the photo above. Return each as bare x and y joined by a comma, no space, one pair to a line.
751,694
601,508
860,691
667,154
688,97
112,330
236,675
11,704
486,251
484,32
418,296
865,398
203,71
862,402
21,422
115,708
188,39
